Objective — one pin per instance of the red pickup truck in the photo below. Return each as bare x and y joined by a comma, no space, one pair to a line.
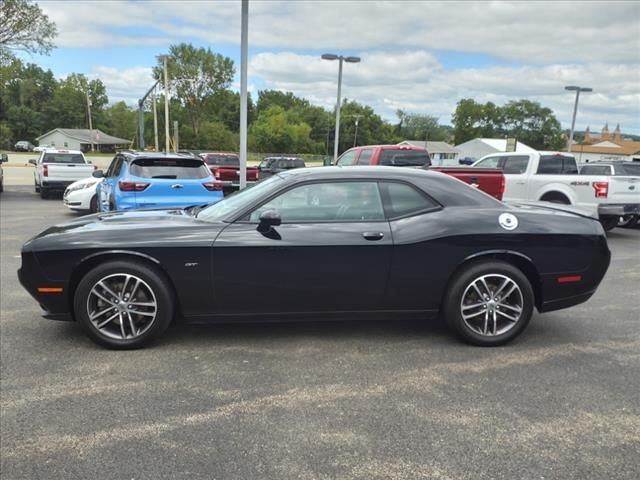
225,167
489,180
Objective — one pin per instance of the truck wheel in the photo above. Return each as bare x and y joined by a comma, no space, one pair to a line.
609,223
489,303
36,187
555,197
44,193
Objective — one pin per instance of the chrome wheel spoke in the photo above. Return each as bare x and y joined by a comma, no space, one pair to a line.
134,330
124,335
475,305
472,315
108,320
511,307
107,289
506,315
142,304
136,312
504,284
95,315
102,297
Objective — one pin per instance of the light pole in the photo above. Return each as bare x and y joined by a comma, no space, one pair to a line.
340,58
577,89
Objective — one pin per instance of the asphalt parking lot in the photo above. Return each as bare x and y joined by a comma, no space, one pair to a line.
361,400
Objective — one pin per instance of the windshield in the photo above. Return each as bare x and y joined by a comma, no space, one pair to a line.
169,168
221,159
238,201
63,158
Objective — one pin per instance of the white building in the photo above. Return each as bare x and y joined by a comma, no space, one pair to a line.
441,153
82,139
606,147
479,147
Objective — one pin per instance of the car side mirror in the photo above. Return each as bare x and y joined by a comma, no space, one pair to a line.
268,220
98,174
4,158
32,162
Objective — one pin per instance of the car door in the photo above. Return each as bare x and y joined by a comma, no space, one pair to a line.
107,186
330,254
514,168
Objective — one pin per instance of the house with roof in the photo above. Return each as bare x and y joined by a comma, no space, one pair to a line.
606,147
441,153
82,139
479,147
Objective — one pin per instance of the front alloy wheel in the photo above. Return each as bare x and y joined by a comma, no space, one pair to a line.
123,304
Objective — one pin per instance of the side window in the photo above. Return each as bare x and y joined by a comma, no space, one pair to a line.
365,156
516,164
402,199
595,170
491,162
112,167
347,158
550,164
118,167
326,202
569,165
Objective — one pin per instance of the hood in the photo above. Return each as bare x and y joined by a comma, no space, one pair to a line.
123,229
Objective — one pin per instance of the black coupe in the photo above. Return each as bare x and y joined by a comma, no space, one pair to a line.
323,243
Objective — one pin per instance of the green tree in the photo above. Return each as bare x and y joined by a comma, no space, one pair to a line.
468,120
194,75
120,120
414,126
23,26
532,124
278,131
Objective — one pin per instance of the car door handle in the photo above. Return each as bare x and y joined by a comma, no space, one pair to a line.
373,236
521,182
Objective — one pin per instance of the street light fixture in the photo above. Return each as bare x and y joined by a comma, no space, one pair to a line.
577,89
340,58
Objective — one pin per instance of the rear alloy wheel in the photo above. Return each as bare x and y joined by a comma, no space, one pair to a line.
123,305
489,303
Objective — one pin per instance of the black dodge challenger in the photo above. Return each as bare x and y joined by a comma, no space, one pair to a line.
319,243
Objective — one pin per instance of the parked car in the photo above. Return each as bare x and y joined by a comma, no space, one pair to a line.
225,167
23,146
81,196
271,165
617,168
42,148
155,180
57,169
553,177
321,243
489,180
3,159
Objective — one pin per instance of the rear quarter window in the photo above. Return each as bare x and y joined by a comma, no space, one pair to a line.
595,170
63,158
557,164
402,199
632,169
169,168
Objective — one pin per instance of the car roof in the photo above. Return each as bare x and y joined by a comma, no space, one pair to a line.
130,156
373,172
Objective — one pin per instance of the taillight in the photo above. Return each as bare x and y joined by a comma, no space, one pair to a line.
45,170
216,172
132,186
503,185
213,186
601,188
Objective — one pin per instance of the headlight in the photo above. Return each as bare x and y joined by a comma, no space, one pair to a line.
82,186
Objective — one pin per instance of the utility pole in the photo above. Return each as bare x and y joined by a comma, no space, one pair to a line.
166,107
355,135
244,49
175,136
155,119
574,88
89,115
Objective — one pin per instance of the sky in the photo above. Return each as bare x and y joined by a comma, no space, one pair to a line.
418,56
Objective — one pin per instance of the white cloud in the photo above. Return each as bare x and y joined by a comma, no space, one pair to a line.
524,32
390,83
127,84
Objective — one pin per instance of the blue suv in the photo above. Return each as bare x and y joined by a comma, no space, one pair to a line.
155,180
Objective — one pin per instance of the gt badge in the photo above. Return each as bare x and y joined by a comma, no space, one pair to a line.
508,221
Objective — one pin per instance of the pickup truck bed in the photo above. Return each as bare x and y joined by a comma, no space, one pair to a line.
225,167
489,180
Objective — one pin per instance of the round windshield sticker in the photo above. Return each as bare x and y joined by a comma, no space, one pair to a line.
508,221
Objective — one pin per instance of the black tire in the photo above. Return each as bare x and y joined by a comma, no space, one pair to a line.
161,295
627,221
44,193
93,204
36,187
555,197
461,284
609,223
2,186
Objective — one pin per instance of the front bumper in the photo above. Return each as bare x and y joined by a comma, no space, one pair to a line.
55,306
618,209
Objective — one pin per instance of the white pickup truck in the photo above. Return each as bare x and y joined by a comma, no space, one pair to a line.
553,177
57,169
